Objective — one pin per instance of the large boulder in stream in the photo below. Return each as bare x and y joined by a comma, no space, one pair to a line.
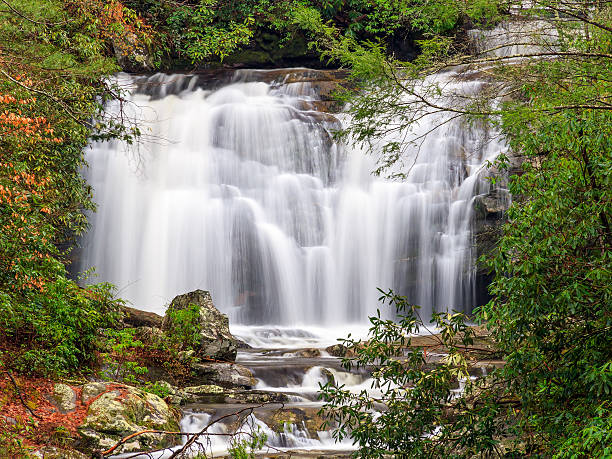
119,410
215,340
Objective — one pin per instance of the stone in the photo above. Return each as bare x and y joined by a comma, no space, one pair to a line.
340,350
64,398
308,353
215,340
255,397
92,390
137,318
186,356
206,393
175,395
149,335
123,410
132,55
491,206
328,375
242,345
305,417
205,389
228,375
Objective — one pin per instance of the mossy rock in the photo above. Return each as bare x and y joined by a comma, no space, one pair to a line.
123,410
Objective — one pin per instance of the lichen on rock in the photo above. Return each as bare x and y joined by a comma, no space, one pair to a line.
64,398
123,410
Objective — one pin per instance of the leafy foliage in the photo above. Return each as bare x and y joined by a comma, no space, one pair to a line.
51,84
122,356
419,410
245,446
207,31
183,333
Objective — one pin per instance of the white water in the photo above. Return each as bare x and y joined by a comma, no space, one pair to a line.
220,436
246,195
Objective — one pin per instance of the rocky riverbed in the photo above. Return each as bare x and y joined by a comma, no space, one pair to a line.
218,387
260,381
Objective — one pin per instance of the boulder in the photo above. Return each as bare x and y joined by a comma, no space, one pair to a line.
192,394
255,397
215,340
64,398
131,53
123,410
92,390
305,417
228,375
340,350
210,393
308,353
136,318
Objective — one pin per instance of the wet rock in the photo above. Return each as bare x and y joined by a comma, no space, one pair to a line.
136,318
340,350
92,390
175,395
304,417
210,393
207,393
491,206
64,398
255,397
304,353
215,340
228,375
242,345
132,55
123,410
328,375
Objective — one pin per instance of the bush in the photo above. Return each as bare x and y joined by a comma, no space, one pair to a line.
57,331
183,333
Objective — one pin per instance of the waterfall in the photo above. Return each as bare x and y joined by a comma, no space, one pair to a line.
244,192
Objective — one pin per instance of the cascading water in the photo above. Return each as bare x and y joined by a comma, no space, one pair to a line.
246,194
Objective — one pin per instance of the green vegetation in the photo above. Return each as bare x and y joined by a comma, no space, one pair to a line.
121,359
424,417
52,65
208,31
183,333
245,446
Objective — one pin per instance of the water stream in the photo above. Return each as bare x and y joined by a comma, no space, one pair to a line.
241,190
244,193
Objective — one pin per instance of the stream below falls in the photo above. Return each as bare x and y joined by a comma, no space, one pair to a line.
239,188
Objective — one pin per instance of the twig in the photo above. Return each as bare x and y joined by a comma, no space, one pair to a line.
19,394
192,440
